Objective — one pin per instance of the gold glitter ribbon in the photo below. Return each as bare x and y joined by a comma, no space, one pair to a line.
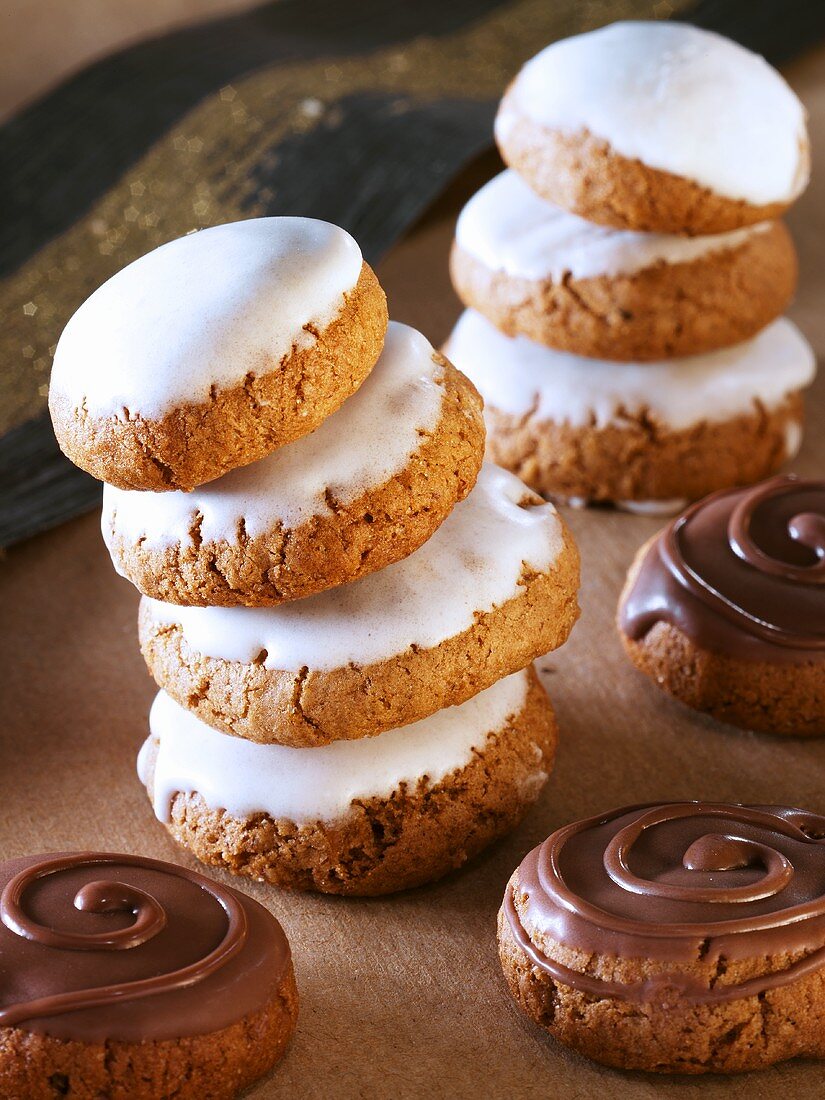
202,171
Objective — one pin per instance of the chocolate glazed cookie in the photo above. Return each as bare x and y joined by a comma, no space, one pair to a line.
684,937
128,977
725,608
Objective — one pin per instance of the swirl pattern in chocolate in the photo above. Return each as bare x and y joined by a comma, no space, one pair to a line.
741,572
95,946
678,883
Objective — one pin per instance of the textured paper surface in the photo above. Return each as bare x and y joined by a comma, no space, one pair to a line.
402,997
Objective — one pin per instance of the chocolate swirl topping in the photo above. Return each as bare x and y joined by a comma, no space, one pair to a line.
741,572
97,946
680,883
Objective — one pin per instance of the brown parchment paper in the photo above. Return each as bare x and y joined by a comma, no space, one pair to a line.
402,997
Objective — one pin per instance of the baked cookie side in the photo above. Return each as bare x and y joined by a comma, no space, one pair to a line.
641,462
214,350
128,976
660,312
663,937
422,822
582,174
637,434
309,706
657,126
357,495
724,608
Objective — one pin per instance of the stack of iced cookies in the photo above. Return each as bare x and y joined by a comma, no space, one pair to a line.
341,605
626,274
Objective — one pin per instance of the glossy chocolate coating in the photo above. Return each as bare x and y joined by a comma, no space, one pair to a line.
678,883
95,946
741,573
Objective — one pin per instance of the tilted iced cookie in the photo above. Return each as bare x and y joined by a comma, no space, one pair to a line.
535,270
637,434
128,977
656,126
725,608
368,487
491,590
213,350
355,817
678,938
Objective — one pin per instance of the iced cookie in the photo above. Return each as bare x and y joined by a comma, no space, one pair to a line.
368,487
637,435
656,126
355,817
535,270
493,589
725,608
128,977
213,350
679,938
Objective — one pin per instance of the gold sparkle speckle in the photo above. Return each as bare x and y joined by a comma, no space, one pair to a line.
312,108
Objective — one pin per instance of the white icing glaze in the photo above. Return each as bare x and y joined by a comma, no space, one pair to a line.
363,445
793,439
636,507
653,507
508,228
318,784
472,563
519,377
677,98
204,311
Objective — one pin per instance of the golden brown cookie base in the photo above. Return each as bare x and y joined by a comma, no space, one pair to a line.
346,542
416,836
582,174
197,443
660,312
308,707
677,1037
786,699
217,1066
639,459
